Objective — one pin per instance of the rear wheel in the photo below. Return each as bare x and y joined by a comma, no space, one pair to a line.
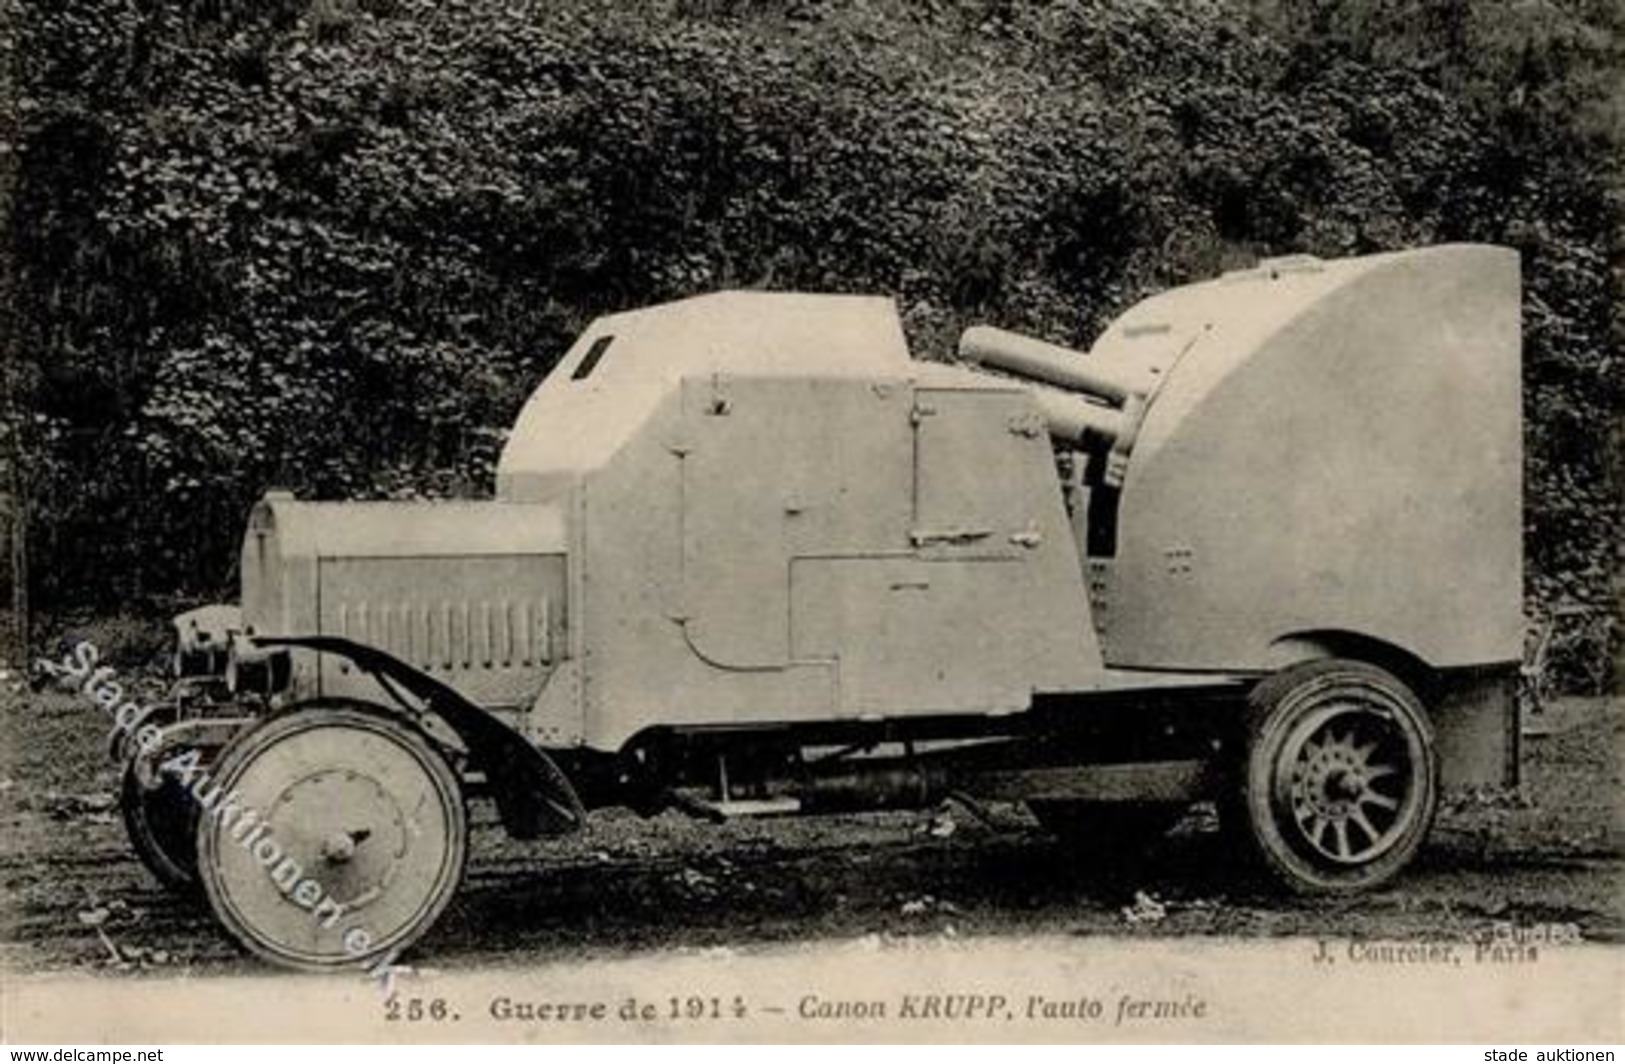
1340,782
349,840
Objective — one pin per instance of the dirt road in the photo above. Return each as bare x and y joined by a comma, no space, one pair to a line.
77,900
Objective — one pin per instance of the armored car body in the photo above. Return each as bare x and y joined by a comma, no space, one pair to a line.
1260,546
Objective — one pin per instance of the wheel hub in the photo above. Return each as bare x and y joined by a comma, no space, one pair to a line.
338,848
1340,812
346,829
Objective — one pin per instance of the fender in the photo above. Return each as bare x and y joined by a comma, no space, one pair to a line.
533,795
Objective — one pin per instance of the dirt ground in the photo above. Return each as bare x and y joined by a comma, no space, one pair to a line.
76,899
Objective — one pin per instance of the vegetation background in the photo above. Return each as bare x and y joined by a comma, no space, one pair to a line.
330,245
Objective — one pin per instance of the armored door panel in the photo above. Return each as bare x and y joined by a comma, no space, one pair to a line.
969,500
773,469
916,636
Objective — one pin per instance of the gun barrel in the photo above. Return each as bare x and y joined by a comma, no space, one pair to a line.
1073,419
1034,359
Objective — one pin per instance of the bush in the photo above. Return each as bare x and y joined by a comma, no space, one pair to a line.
330,245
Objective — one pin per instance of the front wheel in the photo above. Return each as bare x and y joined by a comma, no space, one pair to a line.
1340,783
161,821
348,838
160,816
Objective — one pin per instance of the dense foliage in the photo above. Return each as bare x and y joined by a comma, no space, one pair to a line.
331,244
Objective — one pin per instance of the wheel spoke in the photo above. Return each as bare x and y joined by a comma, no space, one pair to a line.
1317,828
1340,832
1357,815
1381,801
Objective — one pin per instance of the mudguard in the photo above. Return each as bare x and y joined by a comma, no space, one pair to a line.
533,795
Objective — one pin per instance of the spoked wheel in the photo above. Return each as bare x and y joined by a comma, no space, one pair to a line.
1340,783
161,821
349,842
